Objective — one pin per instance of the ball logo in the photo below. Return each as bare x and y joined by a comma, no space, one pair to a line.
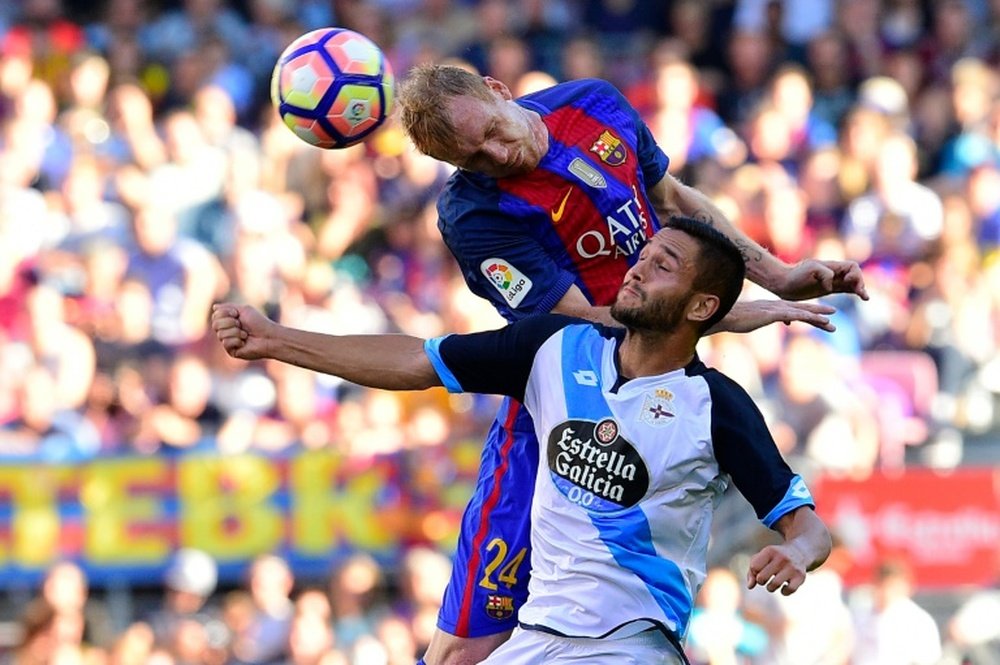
332,87
595,467
500,274
358,110
508,280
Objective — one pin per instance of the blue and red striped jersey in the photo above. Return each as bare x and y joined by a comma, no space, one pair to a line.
580,217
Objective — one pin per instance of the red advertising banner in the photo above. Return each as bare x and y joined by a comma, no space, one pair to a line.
946,526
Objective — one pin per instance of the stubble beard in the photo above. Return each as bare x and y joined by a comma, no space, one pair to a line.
650,315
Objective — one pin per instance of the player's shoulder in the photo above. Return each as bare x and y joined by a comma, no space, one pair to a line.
569,92
546,325
553,322
726,393
466,192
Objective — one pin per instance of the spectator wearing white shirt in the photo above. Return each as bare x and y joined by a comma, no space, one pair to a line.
890,628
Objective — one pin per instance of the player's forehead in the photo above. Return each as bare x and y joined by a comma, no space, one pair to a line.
672,240
673,244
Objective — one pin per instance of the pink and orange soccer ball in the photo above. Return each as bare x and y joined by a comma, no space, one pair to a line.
332,87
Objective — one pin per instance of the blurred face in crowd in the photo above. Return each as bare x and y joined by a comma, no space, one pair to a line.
792,95
65,587
38,405
155,230
896,161
749,56
676,85
271,581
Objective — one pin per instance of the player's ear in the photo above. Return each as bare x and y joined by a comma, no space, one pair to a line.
498,87
702,306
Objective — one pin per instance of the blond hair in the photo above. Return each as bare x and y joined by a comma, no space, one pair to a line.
423,103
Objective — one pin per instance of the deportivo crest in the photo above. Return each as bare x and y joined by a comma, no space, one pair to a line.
595,467
610,149
512,284
500,607
658,408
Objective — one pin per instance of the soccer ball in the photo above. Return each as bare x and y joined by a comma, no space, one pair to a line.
332,87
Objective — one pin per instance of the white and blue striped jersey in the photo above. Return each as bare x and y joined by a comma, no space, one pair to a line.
630,474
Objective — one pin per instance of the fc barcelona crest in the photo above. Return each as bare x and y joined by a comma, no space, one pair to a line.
610,149
500,607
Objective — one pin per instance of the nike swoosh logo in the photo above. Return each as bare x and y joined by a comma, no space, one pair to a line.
557,213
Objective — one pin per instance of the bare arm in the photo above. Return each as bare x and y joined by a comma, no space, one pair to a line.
806,545
391,362
809,278
574,303
672,197
744,317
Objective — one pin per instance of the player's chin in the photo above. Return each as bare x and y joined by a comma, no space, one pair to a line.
512,170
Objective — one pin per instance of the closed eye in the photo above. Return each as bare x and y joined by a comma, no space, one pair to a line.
490,131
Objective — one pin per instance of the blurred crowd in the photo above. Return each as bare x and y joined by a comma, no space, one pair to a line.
364,614
144,175
359,616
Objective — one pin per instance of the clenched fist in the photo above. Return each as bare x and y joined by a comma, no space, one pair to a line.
244,332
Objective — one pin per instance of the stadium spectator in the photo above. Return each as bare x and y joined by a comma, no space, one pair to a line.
751,59
889,626
310,641
829,63
720,633
266,637
132,646
181,275
36,641
900,219
186,615
355,588
187,417
179,30
791,93
971,634
134,136
974,87
686,131
813,626
80,619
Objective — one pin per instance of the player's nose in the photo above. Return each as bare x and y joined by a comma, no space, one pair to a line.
636,272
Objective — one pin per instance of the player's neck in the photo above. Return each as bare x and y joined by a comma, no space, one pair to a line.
648,353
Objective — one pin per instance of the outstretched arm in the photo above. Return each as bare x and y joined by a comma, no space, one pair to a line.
746,316
392,362
749,315
809,278
806,546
